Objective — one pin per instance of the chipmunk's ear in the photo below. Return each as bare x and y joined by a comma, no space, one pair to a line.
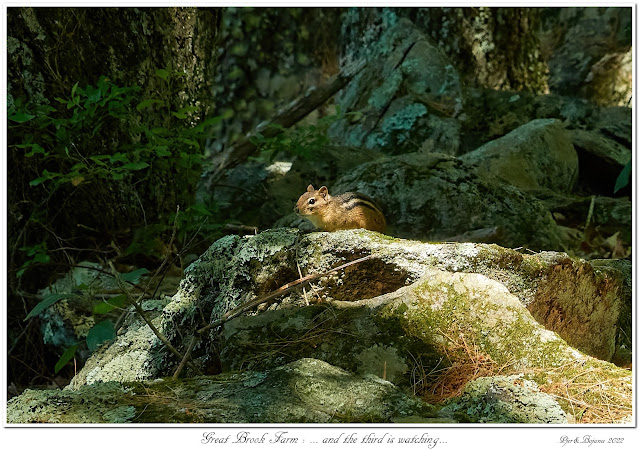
310,188
323,191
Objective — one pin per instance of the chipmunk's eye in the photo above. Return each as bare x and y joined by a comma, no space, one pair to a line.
311,201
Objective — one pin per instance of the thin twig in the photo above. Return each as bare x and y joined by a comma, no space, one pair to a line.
276,293
80,266
591,209
187,355
148,321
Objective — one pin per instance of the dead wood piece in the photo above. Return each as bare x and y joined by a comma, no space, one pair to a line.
286,118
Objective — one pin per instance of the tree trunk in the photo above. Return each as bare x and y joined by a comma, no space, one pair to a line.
49,50
495,48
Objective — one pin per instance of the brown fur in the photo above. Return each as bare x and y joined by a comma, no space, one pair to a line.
342,212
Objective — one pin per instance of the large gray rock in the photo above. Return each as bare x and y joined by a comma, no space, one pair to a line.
411,310
503,399
536,156
307,391
377,316
589,52
437,197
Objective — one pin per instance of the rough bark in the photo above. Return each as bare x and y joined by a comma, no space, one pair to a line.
494,48
48,51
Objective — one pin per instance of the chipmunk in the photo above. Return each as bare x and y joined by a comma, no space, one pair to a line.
342,212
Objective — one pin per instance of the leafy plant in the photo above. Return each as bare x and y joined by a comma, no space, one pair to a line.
64,139
624,177
37,254
108,135
103,330
303,140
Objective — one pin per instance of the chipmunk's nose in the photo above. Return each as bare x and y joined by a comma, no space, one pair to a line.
296,209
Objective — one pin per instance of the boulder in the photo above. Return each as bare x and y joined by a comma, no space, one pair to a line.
503,399
383,327
437,197
589,52
536,156
306,391
410,301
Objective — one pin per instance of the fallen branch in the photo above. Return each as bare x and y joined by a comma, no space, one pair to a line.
276,293
187,355
293,113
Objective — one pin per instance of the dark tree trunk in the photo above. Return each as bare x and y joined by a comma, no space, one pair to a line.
49,50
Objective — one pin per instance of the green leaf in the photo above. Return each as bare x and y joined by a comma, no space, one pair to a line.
160,131
73,89
41,258
189,142
107,306
99,158
146,103
208,122
65,358
134,277
49,300
136,165
162,150
46,175
119,157
103,84
163,73
183,113
100,333
35,148
200,209
624,177
93,94
21,117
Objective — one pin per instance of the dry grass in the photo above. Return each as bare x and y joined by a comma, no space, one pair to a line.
591,393
468,364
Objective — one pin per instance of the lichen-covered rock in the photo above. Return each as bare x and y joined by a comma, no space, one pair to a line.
373,315
307,390
68,321
99,403
260,193
405,98
538,155
387,334
436,197
490,114
501,399
589,52
137,354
